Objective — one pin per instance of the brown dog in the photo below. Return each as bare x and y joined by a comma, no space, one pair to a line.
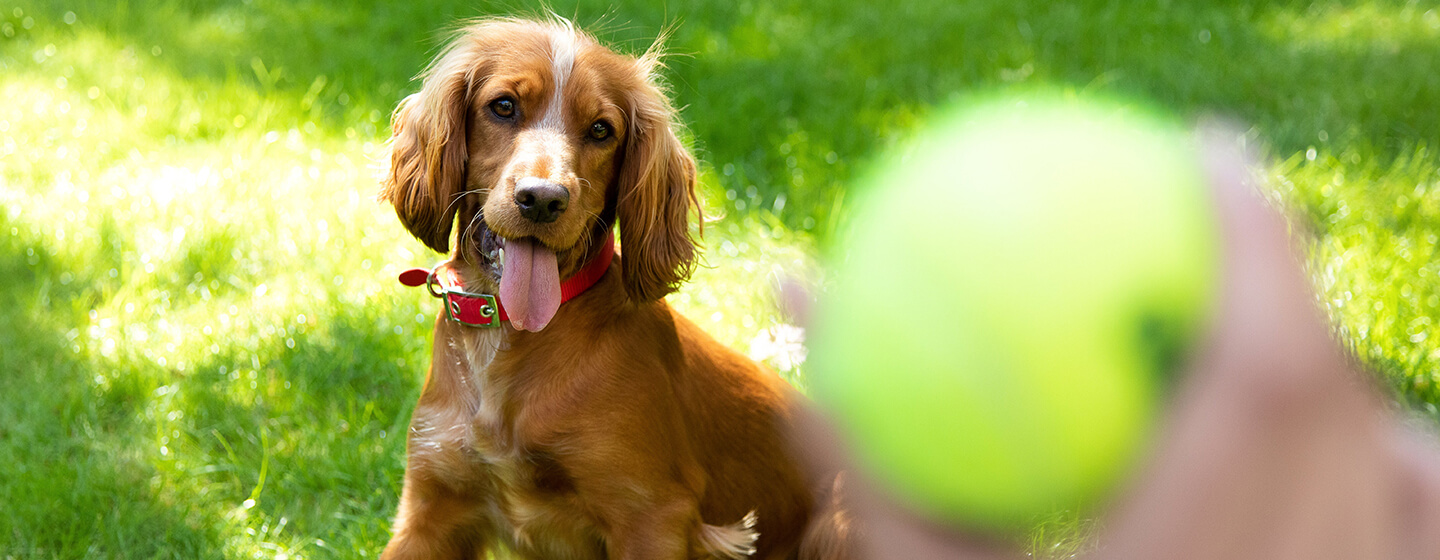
609,426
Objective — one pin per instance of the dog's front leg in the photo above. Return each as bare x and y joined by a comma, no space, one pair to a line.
442,510
436,522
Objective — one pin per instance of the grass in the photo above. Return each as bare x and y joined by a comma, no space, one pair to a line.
205,353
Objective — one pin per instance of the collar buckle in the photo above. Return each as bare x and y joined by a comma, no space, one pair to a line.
467,308
471,309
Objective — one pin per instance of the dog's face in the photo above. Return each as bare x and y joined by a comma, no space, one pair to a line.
538,139
545,138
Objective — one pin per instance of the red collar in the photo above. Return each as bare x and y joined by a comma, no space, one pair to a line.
485,310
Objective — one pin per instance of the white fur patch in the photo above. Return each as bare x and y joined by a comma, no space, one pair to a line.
562,60
435,432
732,542
480,346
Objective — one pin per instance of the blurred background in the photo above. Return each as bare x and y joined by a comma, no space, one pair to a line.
204,352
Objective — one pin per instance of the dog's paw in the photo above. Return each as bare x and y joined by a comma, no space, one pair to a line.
732,542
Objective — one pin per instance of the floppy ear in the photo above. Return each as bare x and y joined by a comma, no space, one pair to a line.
657,193
428,152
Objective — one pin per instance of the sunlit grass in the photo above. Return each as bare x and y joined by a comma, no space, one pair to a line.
1375,259
205,353
1359,26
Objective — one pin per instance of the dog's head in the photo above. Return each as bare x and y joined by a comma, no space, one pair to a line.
537,139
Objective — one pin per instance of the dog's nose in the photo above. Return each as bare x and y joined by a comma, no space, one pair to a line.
539,200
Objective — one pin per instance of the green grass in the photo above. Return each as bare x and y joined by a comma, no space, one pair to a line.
205,354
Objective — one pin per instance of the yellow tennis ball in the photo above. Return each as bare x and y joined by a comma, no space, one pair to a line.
1018,285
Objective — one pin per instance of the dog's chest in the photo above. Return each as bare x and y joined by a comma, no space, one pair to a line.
537,511
533,502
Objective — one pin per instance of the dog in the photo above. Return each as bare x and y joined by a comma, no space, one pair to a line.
568,411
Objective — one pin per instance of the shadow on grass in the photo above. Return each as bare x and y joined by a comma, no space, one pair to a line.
314,434
72,482
106,453
800,83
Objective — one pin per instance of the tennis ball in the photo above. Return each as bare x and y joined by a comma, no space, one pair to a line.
1018,285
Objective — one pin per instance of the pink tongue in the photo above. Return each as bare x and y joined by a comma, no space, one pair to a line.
529,284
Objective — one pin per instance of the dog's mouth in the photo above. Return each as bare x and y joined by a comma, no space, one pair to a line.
492,256
528,275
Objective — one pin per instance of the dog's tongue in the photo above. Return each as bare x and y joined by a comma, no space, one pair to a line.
529,284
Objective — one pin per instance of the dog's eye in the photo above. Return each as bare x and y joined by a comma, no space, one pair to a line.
600,130
503,107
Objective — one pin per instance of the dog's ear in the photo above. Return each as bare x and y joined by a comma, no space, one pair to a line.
656,195
428,145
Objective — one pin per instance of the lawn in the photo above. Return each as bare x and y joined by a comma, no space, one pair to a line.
204,353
